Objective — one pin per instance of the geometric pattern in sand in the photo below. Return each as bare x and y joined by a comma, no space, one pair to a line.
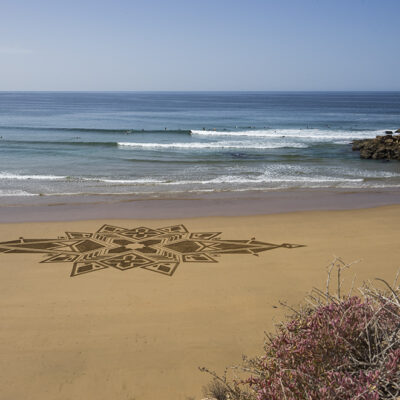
159,250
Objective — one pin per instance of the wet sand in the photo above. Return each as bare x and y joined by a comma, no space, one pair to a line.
72,208
137,334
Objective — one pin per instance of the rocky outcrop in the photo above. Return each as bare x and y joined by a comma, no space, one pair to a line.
381,148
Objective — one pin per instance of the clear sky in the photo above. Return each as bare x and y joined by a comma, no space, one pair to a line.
200,45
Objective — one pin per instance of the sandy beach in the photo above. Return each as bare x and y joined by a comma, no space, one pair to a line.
136,334
191,196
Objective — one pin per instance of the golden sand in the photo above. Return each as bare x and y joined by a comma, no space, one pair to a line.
136,334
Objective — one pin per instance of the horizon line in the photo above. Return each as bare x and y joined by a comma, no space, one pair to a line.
204,91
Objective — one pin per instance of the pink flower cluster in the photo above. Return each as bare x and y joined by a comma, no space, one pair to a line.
348,349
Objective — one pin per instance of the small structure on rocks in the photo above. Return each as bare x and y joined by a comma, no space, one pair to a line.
381,148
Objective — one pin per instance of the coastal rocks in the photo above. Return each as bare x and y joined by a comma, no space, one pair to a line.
381,148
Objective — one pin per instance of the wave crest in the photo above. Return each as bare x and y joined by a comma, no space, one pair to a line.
217,145
292,133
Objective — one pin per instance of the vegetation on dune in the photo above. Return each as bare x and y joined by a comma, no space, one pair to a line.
335,347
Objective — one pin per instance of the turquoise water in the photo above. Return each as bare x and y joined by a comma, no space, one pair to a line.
156,143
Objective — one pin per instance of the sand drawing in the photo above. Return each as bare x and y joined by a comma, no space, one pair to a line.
159,250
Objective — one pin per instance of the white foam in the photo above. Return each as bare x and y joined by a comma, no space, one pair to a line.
22,177
263,179
314,134
274,175
228,179
232,179
11,176
9,193
217,145
129,181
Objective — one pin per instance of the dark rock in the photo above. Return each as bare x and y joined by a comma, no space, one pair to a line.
381,148
398,131
389,132
365,153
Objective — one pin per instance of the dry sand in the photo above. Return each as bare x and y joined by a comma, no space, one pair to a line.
141,335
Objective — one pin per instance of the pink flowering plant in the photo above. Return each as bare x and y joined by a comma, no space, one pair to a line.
334,347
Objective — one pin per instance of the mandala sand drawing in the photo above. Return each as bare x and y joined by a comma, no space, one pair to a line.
159,250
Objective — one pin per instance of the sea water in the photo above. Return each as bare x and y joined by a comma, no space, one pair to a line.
167,143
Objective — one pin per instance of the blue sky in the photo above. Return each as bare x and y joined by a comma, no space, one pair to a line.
200,45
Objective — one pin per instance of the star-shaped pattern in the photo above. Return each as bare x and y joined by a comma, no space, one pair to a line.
159,250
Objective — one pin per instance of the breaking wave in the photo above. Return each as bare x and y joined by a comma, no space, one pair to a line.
217,145
313,134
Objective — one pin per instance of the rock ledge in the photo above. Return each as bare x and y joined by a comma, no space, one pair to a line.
381,148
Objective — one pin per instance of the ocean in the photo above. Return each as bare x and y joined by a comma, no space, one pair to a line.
155,144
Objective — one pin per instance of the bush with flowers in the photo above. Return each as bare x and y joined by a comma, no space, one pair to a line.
334,347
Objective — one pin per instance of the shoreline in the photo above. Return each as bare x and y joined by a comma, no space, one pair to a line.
194,205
